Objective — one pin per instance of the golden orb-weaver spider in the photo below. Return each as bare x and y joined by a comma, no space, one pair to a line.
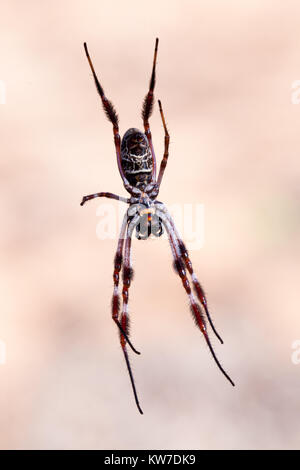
137,166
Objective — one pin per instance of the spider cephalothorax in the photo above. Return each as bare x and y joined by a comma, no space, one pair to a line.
147,216
149,224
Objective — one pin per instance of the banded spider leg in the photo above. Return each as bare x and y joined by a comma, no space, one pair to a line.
179,263
127,278
188,264
112,116
153,189
147,110
116,277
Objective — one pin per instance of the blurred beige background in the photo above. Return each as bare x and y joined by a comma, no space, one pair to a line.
225,74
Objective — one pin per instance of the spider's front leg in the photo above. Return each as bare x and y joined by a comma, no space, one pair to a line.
127,278
180,268
188,264
116,277
197,286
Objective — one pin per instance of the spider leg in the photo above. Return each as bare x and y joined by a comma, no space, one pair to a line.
166,151
127,277
185,257
108,195
116,277
113,118
197,286
148,108
132,380
195,308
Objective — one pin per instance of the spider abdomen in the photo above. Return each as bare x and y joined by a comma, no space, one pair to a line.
136,158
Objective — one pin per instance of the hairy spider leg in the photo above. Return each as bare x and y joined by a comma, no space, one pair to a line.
115,304
195,308
113,118
108,195
196,284
164,161
127,277
148,108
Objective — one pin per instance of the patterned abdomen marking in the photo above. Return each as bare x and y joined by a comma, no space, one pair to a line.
136,158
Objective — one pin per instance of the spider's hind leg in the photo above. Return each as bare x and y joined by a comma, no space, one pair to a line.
148,108
164,161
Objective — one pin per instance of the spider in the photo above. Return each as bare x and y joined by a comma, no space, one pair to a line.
147,216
